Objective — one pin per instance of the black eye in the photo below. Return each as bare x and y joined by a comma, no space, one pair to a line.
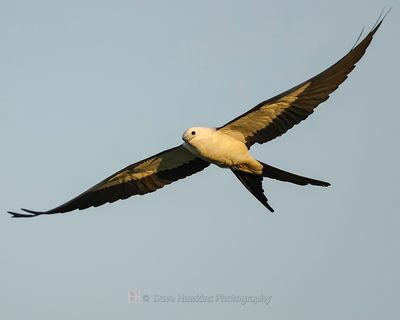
193,133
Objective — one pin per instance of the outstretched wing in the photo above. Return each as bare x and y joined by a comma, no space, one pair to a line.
273,117
139,178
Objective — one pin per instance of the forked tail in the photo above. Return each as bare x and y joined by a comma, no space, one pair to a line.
253,183
278,174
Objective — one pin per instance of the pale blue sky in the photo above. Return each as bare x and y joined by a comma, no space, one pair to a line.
87,87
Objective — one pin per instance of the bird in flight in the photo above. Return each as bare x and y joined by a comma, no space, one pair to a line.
226,146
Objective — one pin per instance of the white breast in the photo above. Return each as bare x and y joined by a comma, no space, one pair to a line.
222,150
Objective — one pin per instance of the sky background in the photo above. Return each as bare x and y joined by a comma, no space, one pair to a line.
88,87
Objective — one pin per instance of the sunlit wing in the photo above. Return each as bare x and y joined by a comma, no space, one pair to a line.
273,117
137,179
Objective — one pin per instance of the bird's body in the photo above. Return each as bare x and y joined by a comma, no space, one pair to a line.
227,146
218,148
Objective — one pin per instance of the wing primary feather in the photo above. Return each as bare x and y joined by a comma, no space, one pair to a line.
23,215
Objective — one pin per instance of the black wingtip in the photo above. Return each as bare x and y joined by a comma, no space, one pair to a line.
23,215
36,213
382,16
374,28
380,19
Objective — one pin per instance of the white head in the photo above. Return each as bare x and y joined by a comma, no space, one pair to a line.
197,133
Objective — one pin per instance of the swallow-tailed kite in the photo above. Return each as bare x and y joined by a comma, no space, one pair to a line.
227,146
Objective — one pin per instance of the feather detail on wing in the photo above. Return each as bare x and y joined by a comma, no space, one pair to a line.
137,179
273,117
